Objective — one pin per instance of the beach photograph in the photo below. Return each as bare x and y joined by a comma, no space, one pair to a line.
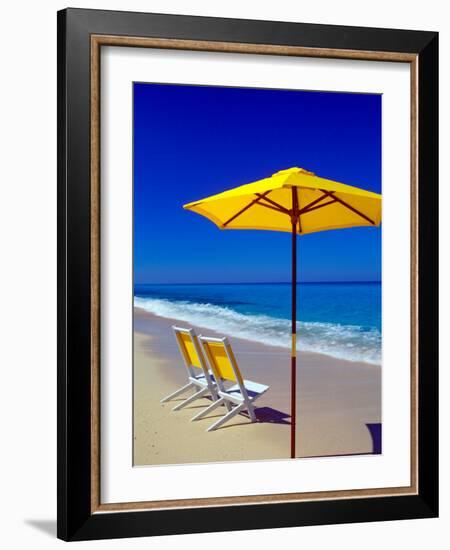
257,233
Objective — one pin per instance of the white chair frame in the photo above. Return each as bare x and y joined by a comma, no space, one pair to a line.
237,395
202,384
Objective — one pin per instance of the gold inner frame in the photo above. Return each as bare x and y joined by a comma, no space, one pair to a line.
97,41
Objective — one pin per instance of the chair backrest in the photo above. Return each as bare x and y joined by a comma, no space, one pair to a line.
191,351
222,361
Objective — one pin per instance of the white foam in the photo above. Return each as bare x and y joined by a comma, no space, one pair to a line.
341,341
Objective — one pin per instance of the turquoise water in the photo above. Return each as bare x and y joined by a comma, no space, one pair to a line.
339,319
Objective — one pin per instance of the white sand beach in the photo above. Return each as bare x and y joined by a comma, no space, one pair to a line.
338,403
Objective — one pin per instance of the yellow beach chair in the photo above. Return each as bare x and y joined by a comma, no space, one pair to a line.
199,377
241,395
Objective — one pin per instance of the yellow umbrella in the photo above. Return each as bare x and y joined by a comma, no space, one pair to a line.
296,201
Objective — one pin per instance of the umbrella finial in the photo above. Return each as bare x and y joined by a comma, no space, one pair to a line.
294,170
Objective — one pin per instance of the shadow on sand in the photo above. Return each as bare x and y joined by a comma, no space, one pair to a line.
263,415
271,416
274,416
375,432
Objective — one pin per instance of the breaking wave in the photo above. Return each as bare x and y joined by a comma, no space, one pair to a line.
351,342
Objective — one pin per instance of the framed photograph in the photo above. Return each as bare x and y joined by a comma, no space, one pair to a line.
247,255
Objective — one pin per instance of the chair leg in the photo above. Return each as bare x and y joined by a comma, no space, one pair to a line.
251,411
227,417
177,392
189,400
206,411
214,394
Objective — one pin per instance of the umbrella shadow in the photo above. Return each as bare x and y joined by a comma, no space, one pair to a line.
375,432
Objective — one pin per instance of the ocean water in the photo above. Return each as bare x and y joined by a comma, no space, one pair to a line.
342,320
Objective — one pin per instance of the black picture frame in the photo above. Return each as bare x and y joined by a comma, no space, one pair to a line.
75,518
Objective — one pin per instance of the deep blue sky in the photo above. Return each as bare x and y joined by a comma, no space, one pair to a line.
195,141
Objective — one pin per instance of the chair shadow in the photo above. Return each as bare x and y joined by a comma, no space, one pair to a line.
46,526
272,416
198,404
266,415
375,431
263,414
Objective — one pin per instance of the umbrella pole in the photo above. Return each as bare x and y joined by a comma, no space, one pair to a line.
294,338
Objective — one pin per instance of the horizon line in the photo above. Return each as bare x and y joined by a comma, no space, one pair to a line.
264,283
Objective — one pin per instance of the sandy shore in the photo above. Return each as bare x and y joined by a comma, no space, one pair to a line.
338,404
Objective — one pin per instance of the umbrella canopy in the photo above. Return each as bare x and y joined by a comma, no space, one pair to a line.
269,204
297,201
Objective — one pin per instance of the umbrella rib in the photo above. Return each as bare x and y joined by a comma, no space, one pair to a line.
246,207
331,194
319,206
271,207
275,204
316,201
314,205
353,209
